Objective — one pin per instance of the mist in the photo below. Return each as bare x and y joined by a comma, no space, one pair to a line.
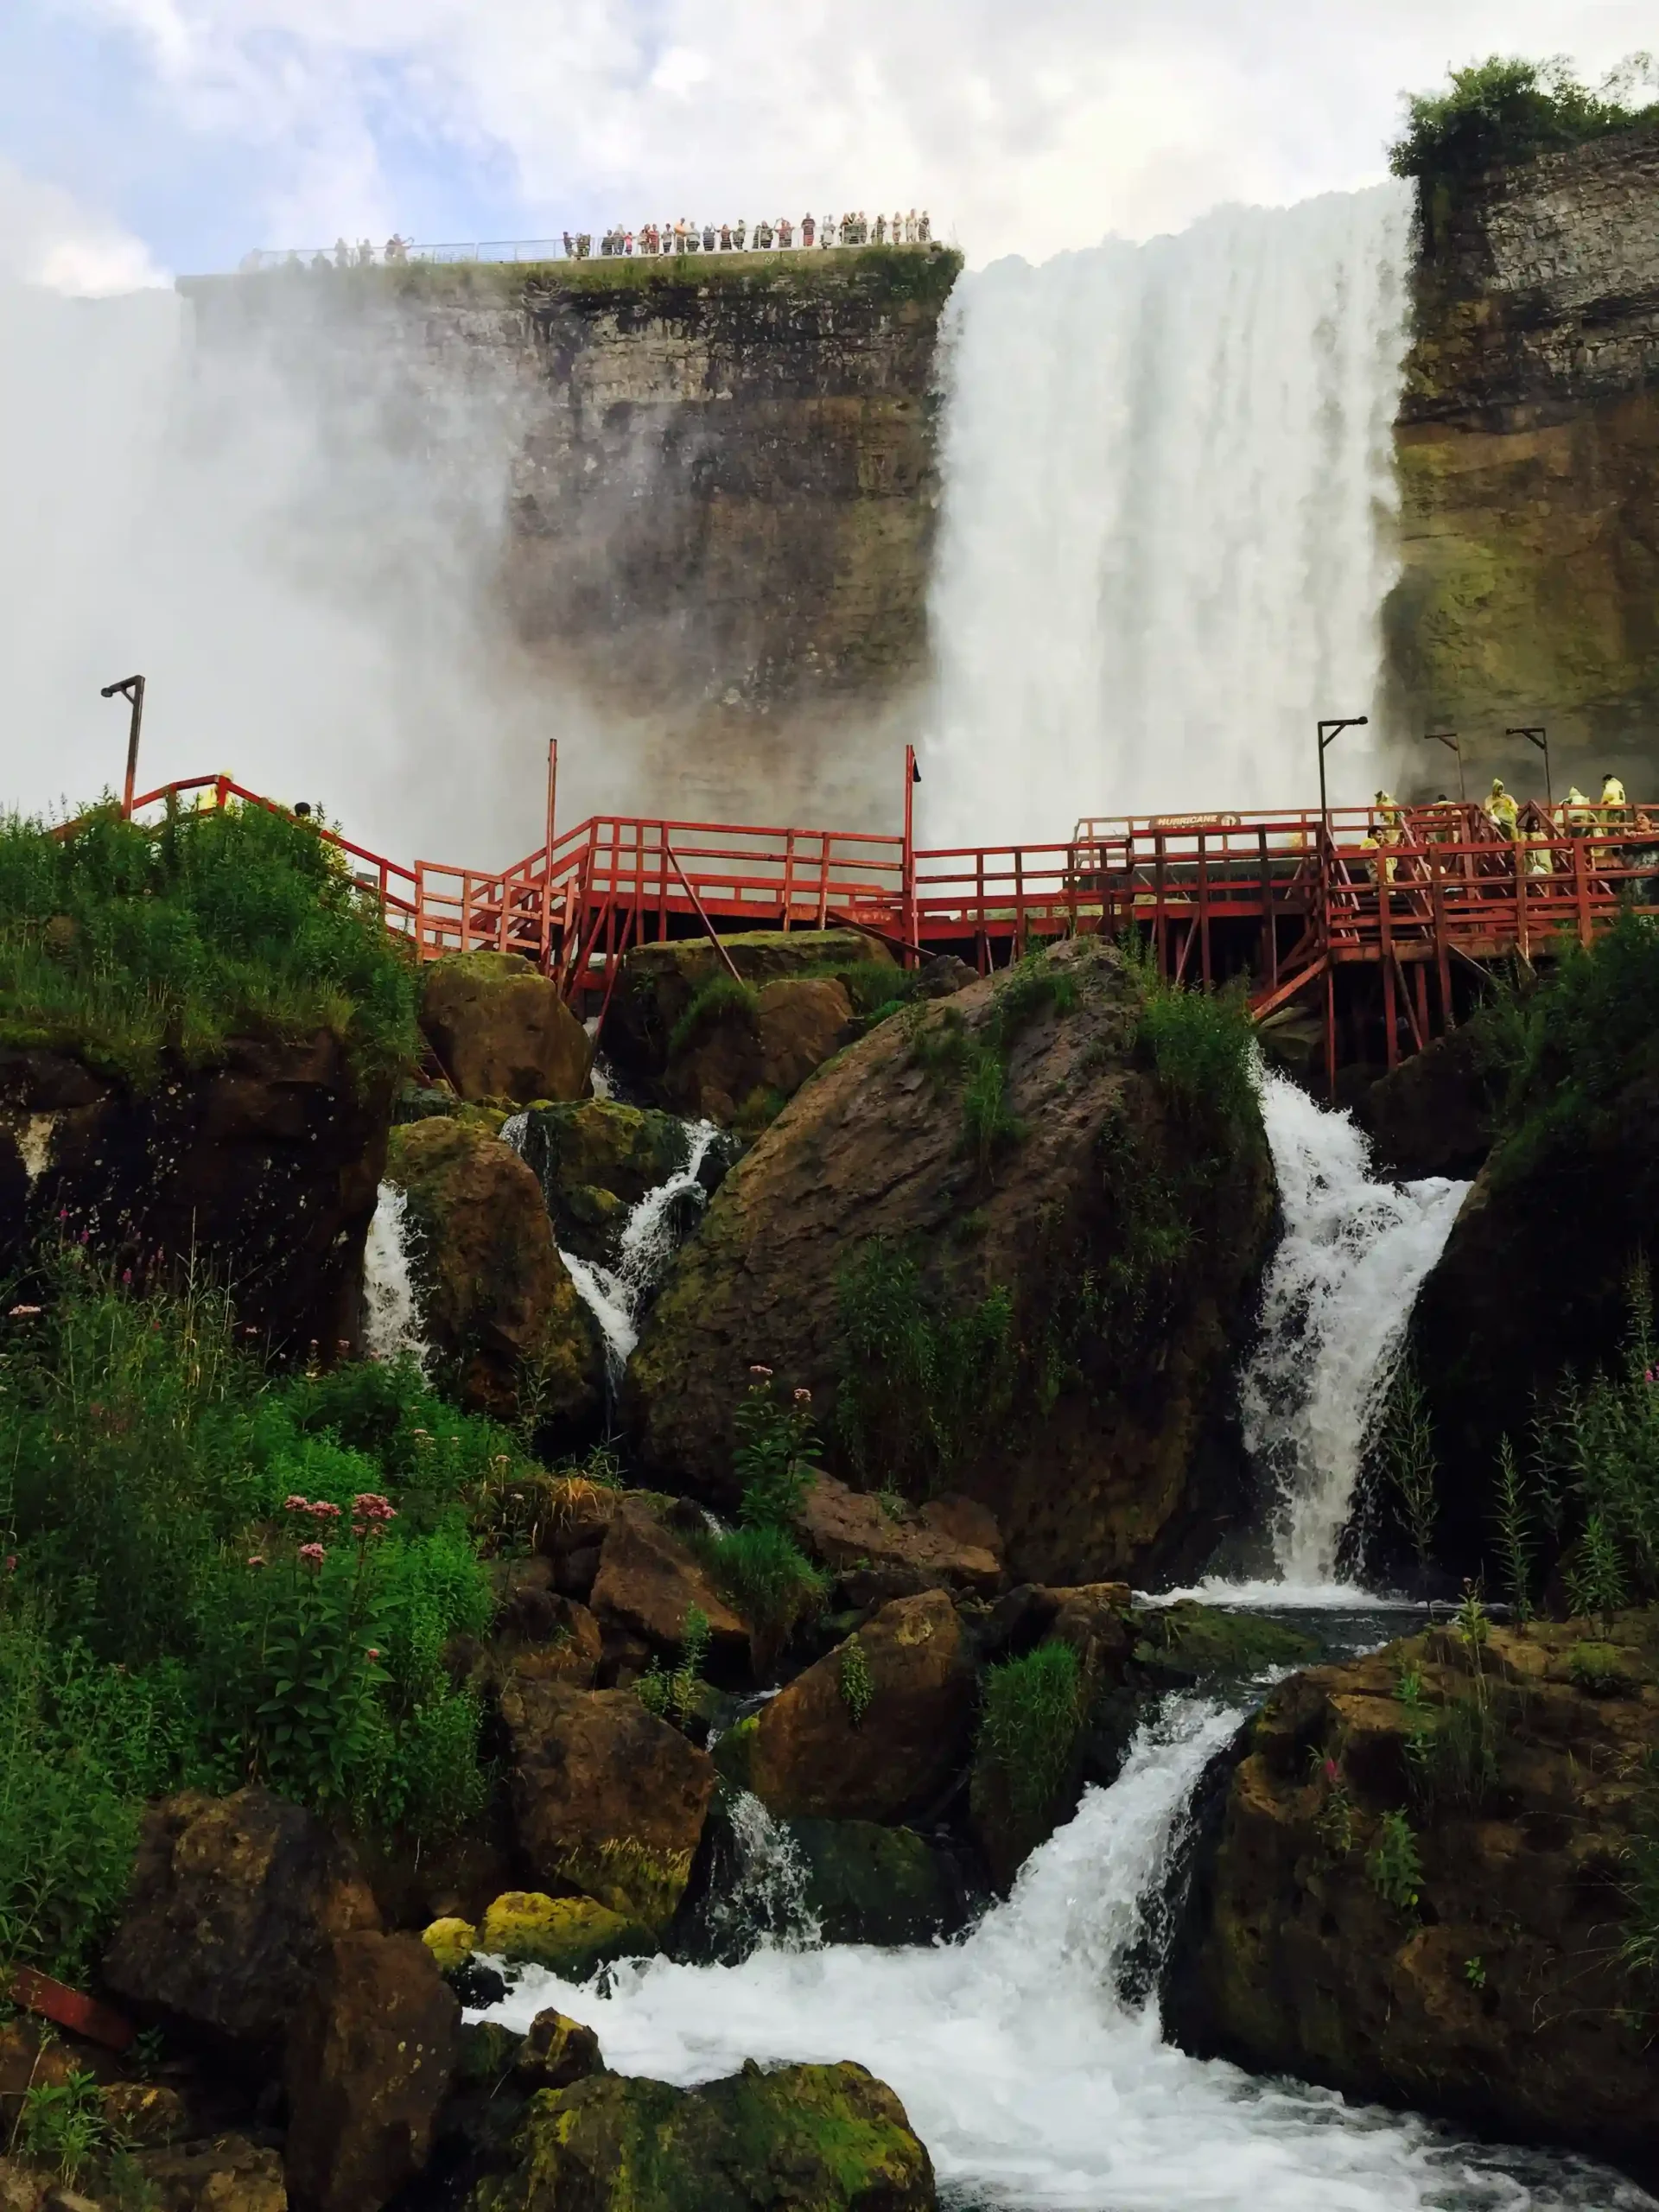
297,531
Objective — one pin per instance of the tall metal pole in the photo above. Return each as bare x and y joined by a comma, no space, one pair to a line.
913,777
1539,737
1329,730
132,688
1449,739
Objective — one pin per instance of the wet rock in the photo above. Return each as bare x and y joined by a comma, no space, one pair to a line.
649,1580
556,2052
569,1935
498,1303
225,2173
813,1753
264,1164
1422,1900
500,1030
607,1799
1189,1643
658,982
746,1055
146,2114
595,1161
943,975
801,2138
866,1884
1434,1114
451,1942
233,1904
1109,1249
370,2059
950,1543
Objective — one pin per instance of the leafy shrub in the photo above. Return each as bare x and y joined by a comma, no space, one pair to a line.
988,1126
119,940
1507,109
62,2123
776,1444
721,995
856,1684
769,1579
919,1388
1394,1865
675,1695
1407,1449
1029,1713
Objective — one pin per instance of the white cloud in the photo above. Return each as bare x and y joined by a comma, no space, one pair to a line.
47,239
1044,124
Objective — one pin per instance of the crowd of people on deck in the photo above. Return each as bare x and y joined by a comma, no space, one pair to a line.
683,236
1535,834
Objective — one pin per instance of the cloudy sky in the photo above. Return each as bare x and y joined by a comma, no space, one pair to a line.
140,137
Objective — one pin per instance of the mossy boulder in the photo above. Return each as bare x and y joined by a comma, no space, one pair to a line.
498,1305
1417,1881
1189,1643
451,1940
739,1054
595,1160
500,1030
868,1884
570,1937
802,2139
658,983
1065,1230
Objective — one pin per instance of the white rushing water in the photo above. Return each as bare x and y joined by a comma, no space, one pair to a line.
391,1306
1031,2080
1168,472
1339,1294
766,1900
650,1237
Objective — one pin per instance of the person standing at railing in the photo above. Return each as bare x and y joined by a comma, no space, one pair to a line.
1501,809
809,229
342,254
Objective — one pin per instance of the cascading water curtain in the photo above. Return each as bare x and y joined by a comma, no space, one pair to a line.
1165,542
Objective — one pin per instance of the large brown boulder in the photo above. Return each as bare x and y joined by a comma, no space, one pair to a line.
1087,1229
884,1749
233,1903
949,1543
500,1030
799,2139
649,1580
607,1799
751,1053
225,2173
370,2059
658,982
1420,1882
498,1305
264,1164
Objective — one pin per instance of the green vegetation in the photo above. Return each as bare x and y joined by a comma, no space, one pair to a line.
856,1684
1407,1451
1030,1714
213,1577
676,1694
759,1564
721,995
123,942
1451,1748
1394,1865
920,1388
975,1061
63,2125
1506,109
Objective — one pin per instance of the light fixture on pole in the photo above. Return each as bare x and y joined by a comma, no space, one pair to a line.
132,688
1449,739
1329,731
1539,737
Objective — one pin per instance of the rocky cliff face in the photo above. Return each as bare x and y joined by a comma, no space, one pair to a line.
722,488
1529,451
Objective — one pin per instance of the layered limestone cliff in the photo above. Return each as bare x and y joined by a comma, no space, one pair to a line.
1529,452
722,494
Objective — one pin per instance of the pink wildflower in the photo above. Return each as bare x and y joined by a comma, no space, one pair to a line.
374,1651
370,1505
313,1554
11,1562
1332,1773
321,1510
765,1373
22,1312
295,1503
802,1397
1652,1376
257,1558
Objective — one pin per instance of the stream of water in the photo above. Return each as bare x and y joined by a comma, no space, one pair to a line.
391,1306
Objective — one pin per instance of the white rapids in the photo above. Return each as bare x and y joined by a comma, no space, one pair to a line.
1030,2079
1339,1294
391,1306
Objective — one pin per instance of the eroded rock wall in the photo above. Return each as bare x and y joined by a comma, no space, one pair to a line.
1528,451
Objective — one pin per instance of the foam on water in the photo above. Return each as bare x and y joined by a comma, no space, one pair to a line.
391,1307
1030,2079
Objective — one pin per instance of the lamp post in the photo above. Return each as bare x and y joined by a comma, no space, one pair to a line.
132,688
1449,739
1539,737
1329,731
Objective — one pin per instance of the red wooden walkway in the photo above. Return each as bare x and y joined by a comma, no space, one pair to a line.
1383,943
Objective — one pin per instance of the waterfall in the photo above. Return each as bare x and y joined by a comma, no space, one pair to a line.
391,1315
1034,2081
650,1235
1161,558
1339,1294
763,1899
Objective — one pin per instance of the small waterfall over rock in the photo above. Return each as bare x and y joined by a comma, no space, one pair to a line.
1164,469
650,1235
391,1314
1033,2080
1338,1295
762,1898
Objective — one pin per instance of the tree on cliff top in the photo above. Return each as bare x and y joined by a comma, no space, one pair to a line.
1505,110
